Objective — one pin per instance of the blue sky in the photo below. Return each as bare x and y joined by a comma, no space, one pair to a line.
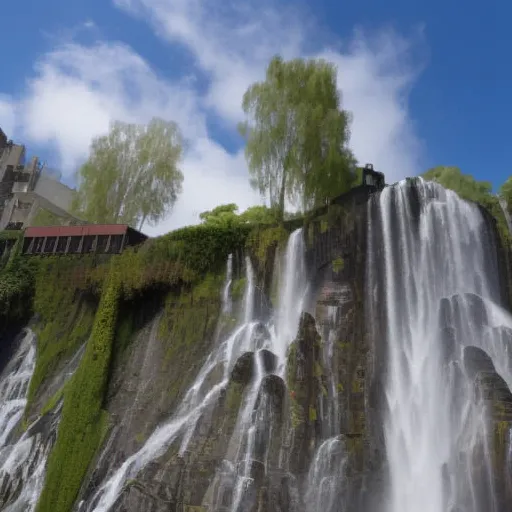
428,83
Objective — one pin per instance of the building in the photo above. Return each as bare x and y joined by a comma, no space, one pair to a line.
92,238
29,189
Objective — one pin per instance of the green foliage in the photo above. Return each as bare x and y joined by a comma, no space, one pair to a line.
506,192
132,174
464,184
183,256
468,188
16,285
297,134
262,239
226,215
259,215
238,288
83,421
222,215
337,265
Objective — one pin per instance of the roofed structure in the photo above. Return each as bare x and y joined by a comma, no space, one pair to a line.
91,238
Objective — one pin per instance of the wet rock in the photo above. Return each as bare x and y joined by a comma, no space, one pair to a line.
275,387
477,309
269,360
445,313
260,335
477,360
243,370
449,342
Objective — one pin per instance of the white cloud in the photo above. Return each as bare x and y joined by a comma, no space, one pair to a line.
76,90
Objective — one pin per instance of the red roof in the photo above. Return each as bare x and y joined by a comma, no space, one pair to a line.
89,229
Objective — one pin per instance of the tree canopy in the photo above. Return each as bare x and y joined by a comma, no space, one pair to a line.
132,175
297,134
464,184
227,214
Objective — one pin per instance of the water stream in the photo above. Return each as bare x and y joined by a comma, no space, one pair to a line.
183,422
441,295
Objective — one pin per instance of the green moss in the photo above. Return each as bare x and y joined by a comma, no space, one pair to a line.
296,413
262,239
312,414
340,387
59,339
234,396
337,265
238,288
318,370
83,423
53,400
324,225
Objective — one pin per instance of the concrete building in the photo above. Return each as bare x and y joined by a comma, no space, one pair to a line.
29,190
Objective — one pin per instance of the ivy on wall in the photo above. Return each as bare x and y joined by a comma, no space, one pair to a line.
83,422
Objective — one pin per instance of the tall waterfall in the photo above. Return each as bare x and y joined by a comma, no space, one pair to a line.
182,423
441,293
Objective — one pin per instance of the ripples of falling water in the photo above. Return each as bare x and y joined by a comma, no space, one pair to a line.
435,432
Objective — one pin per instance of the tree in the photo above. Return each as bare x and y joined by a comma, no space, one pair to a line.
222,215
132,174
296,134
506,192
464,184
226,215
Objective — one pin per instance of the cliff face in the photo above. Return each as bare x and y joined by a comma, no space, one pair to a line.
240,369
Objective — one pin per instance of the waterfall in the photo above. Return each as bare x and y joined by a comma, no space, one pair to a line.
325,480
14,382
248,309
292,294
226,294
23,462
249,442
255,417
441,296
20,463
183,422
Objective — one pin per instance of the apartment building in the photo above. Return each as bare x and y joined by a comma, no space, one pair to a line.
27,189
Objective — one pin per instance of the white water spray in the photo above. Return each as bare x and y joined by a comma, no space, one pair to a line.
434,429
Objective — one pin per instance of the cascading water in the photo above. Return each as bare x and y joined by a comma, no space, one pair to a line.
326,473
23,462
14,382
226,294
440,287
19,461
247,436
254,422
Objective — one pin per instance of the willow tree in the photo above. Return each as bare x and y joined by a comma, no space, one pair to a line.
297,134
132,174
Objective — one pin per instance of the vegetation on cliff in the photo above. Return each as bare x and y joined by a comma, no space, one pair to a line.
83,420
477,191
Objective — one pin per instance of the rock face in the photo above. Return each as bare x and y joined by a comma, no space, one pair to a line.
495,393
